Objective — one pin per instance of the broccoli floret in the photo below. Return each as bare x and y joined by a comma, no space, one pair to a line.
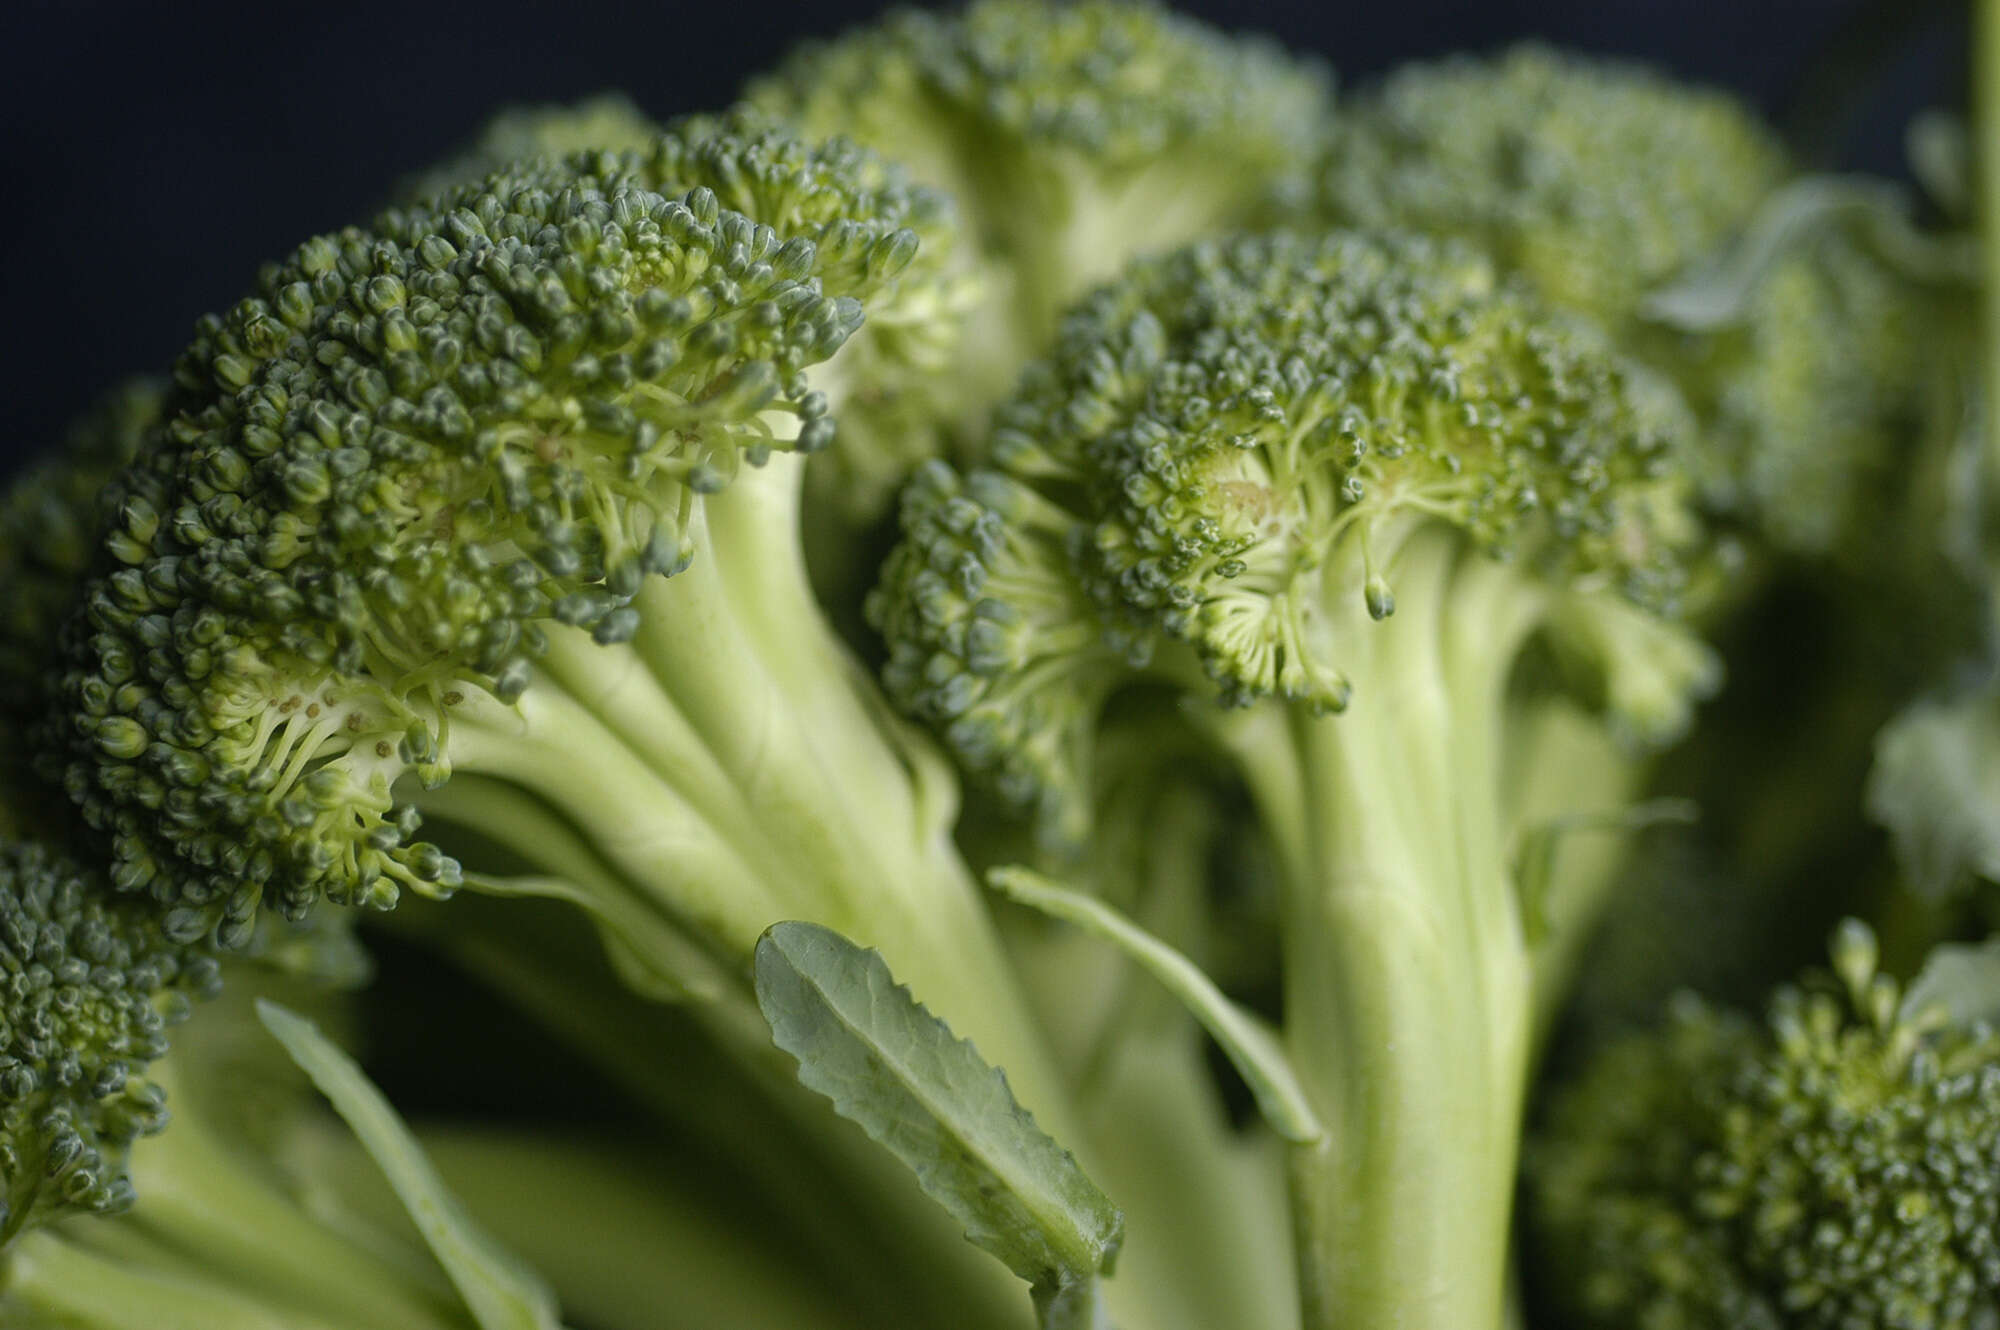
1810,348
1302,477
487,514
1074,137
1831,1166
90,987
49,521
1596,180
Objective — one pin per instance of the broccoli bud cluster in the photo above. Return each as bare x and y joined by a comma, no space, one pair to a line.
88,989
1836,1165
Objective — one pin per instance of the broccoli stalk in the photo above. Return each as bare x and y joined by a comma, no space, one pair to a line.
1276,472
706,1074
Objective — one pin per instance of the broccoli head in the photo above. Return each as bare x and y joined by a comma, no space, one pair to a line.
1332,488
1833,1165
1596,180
418,448
90,988
1072,137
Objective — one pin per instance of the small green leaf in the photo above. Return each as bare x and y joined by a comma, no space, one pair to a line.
1251,1048
1961,977
1717,295
1936,787
499,1289
890,1066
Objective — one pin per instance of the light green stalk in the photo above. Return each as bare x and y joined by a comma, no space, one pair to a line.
732,767
1407,996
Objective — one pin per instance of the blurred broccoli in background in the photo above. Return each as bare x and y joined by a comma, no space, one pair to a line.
1043,675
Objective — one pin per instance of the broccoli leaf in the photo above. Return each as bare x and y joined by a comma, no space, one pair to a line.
1961,977
1936,787
499,1289
897,1071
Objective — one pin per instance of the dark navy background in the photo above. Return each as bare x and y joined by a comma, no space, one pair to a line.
153,154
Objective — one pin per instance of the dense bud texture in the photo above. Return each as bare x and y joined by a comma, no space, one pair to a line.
90,986
1073,138
1839,393
49,522
418,446
1596,180
1223,454
1836,1166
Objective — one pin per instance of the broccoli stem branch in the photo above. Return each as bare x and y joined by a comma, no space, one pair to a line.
732,767
54,1281
214,1244
1407,980
708,1073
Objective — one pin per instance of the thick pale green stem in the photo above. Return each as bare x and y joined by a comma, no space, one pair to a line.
836,812
212,1222
709,1073
639,823
1407,987
54,1282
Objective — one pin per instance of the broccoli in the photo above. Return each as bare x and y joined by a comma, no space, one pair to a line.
233,1223
486,515
1313,522
1303,477
1790,310
1073,137
1596,180
48,539
1832,1165
91,987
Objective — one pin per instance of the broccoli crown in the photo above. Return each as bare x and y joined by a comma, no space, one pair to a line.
1838,1165
1808,420
1118,84
414,448
1839,395
604,123
48,542
1073,137
1213,455
1594,179
90,985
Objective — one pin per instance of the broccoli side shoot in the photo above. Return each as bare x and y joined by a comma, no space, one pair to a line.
1832,1165
1336,485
